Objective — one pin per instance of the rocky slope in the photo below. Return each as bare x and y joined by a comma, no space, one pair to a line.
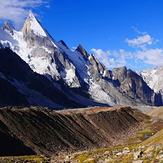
132,84
149,151
146,145
20,86
41,131
88,82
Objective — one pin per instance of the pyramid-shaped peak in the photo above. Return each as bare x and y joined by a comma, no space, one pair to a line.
81,50
64,44
31,15
80,47
33,25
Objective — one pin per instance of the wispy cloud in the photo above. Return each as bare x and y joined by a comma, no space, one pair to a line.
17,10
142,51
111,59
150,56
140,41
145,53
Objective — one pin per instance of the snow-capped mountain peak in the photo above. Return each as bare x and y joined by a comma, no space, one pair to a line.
154,78
31,15
33,25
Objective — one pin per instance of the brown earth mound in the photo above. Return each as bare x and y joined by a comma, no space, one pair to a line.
42,131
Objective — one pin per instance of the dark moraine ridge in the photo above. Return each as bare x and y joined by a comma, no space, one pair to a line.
42,131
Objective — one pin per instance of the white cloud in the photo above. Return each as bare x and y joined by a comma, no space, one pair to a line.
140,41
111,59
17,10
118,58
142,53
150,56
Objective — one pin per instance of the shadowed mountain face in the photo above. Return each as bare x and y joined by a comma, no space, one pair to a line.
11,146
49,132
20,86
9,95
132,84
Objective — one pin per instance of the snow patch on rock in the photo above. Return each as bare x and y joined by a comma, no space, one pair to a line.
154,78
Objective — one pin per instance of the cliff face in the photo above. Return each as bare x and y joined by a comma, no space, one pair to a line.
20,86
135,87
48,132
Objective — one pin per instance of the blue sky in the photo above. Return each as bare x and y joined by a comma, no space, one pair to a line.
103,23
118,32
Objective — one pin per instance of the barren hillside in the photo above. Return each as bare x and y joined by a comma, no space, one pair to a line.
41,131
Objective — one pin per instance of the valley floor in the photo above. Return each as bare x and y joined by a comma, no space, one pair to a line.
146,146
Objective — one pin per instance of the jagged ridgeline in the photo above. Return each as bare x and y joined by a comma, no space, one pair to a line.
37,70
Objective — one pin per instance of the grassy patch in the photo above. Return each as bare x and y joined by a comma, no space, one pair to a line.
145,134
143,138
81,157
34,159
142,134
157,138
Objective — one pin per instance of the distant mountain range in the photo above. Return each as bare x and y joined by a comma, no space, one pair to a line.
37,70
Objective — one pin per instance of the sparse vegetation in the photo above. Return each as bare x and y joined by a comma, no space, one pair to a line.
22,159
145,146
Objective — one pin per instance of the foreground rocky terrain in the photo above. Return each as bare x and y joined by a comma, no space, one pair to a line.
101,134
41,131
143,153
146,146
43,134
